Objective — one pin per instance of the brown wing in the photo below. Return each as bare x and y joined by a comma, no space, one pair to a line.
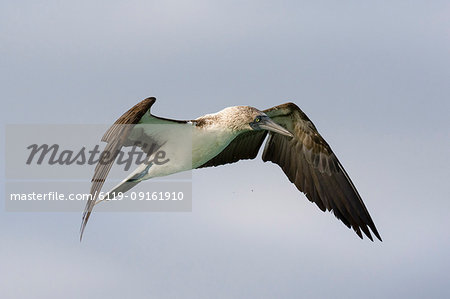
116,137
311,165
244,146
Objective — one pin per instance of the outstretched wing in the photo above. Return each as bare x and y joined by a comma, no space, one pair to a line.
116,136
309,163
122,133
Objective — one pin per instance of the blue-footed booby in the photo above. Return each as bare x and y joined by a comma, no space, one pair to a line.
230,135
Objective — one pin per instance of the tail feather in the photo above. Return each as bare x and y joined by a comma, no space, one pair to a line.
123,187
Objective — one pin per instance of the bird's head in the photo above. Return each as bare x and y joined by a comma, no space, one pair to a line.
246,118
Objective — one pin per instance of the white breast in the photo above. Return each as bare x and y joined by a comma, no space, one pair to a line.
186,147
207,143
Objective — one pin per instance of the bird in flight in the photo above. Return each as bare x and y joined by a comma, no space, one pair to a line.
230,135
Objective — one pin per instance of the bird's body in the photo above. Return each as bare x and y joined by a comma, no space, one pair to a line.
188,144
209,138
228,136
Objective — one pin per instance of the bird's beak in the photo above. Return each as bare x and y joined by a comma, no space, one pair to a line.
270,125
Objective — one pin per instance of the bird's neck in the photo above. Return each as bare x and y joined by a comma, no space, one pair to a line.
208,141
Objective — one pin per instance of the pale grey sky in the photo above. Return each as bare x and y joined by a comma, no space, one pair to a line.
373,77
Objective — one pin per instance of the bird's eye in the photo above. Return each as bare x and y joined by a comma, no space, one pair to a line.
258,119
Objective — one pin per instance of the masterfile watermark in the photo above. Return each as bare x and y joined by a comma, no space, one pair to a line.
70,151
50,168
139,153
54,195
67,196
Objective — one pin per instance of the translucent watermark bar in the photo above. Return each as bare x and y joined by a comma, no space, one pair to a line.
50,167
